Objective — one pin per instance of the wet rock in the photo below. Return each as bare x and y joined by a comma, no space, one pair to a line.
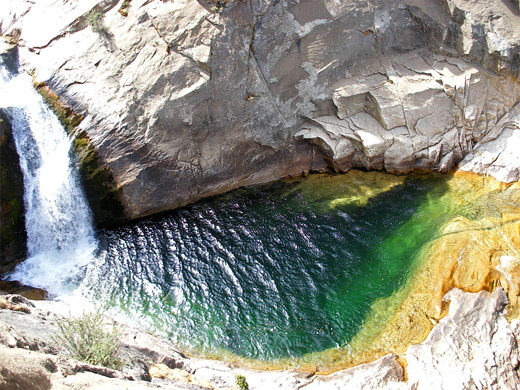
13,237
14,287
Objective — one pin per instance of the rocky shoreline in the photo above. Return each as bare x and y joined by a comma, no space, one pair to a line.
187,99
473,347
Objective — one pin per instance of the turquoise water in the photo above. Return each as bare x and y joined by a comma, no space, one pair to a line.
271,272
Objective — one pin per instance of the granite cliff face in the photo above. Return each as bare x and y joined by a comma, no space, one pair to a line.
185,99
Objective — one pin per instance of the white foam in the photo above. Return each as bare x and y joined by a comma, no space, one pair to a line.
60,235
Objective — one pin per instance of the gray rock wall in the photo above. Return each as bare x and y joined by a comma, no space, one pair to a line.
13,238
183,100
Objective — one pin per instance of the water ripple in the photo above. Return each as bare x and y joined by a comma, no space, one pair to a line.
267,274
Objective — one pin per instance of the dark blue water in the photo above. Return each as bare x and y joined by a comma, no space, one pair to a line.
270,272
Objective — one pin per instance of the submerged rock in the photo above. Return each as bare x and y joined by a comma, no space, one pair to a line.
476,249
187,99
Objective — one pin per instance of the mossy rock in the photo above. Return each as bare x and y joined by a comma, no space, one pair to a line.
13,237
101,190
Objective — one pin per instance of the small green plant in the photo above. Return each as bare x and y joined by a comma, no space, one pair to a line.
123,10
219,5
241,382
85,339
96,20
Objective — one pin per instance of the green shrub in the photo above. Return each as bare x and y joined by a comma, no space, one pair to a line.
85,339
241,382
219,5
96,20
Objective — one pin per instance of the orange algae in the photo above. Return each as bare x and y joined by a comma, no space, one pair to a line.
478,249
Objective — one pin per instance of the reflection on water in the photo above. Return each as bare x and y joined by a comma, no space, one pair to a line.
281,272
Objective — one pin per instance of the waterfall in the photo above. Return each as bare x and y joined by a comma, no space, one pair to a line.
60,234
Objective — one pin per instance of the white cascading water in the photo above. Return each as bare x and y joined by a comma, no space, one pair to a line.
60,234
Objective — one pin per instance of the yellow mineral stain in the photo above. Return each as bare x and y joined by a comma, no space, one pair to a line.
162,371
355,187
478,249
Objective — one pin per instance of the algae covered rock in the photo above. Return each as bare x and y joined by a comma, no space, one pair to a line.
101,190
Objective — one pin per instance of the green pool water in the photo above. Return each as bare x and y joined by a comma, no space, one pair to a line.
272,272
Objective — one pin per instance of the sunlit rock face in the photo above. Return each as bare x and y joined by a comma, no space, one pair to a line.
183,100
469,230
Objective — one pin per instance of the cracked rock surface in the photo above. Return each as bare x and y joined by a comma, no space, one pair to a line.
183,100
474,347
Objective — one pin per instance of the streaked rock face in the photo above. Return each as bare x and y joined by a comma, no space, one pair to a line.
12,220
183,102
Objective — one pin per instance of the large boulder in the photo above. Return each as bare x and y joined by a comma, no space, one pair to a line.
185,99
